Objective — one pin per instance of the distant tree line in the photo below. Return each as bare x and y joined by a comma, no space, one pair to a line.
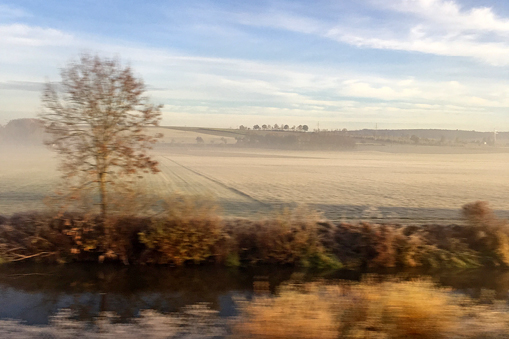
276,127
313,140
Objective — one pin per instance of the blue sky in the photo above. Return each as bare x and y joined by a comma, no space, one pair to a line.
223,63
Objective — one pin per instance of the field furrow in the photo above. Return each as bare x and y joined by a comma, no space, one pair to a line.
383,186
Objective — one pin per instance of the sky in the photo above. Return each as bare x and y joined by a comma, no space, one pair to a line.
224,63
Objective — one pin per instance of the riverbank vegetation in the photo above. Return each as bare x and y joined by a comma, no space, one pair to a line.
191,231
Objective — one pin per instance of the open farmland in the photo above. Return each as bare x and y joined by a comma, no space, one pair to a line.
406,184
360,184
27,176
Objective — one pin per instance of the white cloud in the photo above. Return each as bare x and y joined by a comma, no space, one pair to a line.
24,35
438,27
451,15
366,90
494,53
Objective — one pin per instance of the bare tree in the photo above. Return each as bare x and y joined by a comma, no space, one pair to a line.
97,118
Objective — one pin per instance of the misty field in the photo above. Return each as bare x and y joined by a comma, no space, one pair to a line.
357,184
411,184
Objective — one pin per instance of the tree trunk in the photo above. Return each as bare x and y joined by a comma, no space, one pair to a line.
102,193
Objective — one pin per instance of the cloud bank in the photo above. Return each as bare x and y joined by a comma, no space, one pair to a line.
340,66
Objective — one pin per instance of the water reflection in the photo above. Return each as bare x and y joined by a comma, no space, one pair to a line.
33,293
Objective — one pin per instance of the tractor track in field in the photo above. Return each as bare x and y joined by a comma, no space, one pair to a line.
217,182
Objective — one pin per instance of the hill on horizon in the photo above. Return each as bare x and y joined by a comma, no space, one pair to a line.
436,134
30,132
25,131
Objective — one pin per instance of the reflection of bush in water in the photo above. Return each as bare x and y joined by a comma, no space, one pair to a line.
371,309
393,309
123,290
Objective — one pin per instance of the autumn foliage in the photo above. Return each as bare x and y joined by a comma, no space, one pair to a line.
190,230
96,119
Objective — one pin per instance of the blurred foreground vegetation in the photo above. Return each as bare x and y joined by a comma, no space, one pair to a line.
191,231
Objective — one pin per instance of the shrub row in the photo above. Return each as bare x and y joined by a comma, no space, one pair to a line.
191,231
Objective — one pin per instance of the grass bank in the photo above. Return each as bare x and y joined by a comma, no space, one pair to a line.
191,231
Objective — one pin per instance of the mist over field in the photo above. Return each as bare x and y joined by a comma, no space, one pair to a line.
378,182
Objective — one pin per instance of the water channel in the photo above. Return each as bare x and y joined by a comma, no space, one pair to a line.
34,293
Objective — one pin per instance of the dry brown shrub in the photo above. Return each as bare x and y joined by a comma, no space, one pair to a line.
290,237
409,250
70,237
48,237
487,234
347,244
373,245
479,214
120,239
188,231
381,245
367,244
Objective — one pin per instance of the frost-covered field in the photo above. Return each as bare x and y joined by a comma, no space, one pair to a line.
27,176
417,183
361,184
